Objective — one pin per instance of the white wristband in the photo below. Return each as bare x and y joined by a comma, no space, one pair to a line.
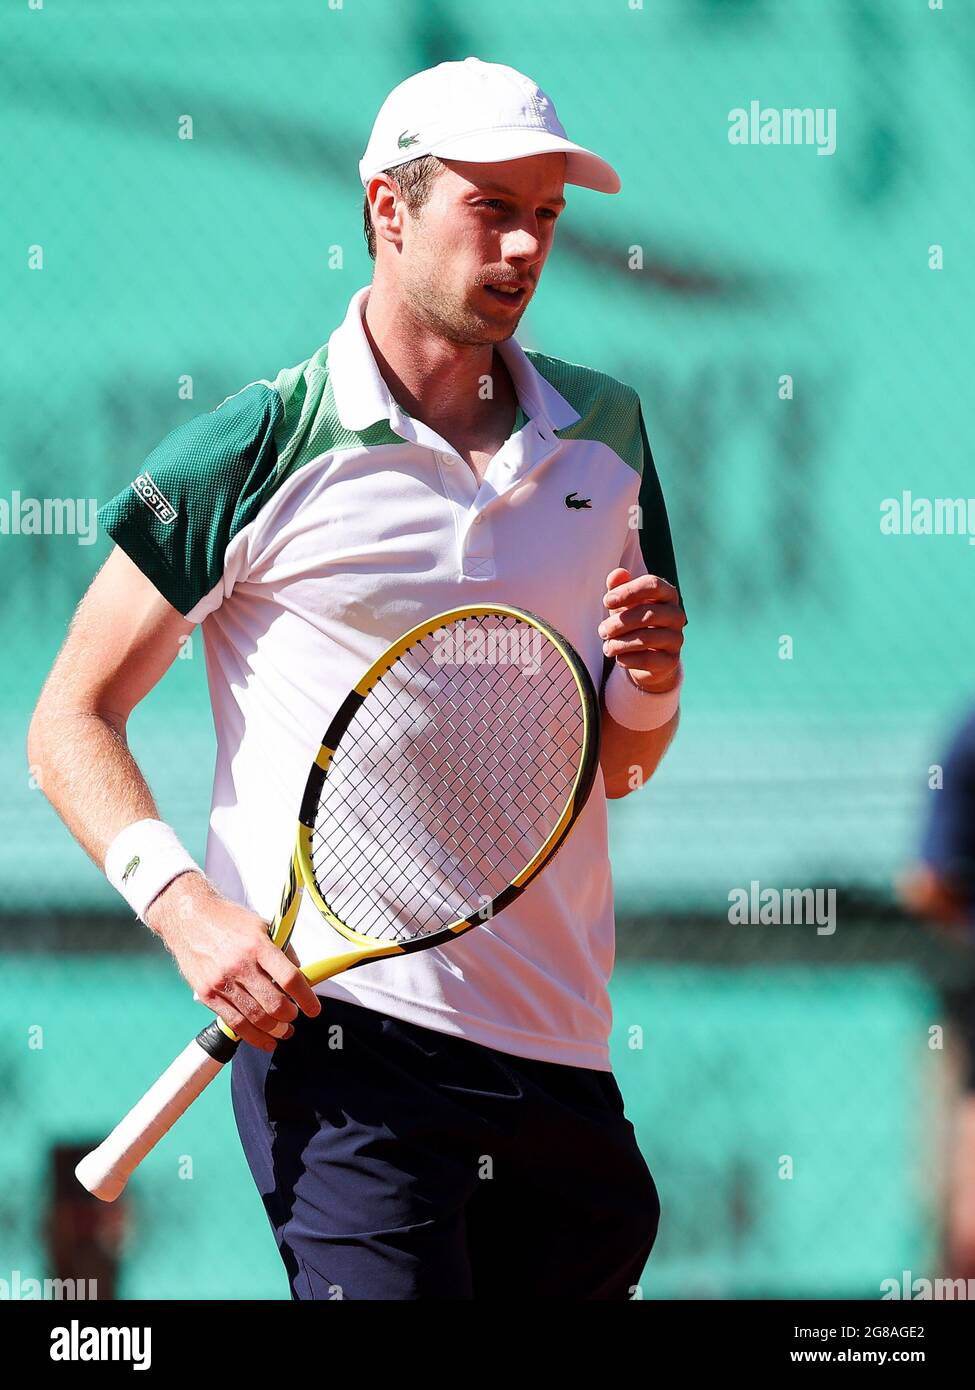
143,859
637,709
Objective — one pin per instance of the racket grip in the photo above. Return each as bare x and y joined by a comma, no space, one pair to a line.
106,1170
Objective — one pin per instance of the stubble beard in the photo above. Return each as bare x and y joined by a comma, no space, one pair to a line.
454,319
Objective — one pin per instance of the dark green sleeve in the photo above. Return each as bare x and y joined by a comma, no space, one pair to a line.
656,544
196,490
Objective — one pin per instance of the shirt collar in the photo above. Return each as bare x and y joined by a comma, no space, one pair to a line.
362,397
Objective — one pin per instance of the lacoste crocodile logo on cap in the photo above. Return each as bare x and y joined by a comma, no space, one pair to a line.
574,500
483,112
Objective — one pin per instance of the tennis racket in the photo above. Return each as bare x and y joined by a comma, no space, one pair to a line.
445,783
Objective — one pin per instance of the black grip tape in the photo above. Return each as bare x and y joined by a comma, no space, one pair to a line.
214,1041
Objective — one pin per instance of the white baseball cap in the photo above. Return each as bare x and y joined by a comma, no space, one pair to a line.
482,112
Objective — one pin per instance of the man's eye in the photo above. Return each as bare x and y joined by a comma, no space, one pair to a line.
498,205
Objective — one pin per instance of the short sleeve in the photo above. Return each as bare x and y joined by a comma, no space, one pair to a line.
649,548
195,491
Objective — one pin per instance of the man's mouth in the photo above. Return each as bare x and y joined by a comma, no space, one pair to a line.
508,294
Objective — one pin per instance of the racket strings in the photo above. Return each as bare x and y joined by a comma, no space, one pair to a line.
457,734
448,780
454,730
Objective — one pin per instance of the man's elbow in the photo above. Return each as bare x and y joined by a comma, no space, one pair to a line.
38,737
46,729
35,747
620,786
615,790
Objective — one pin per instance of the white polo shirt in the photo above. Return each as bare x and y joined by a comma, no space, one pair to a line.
306,523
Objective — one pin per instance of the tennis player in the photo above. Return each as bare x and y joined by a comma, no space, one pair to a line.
445,1125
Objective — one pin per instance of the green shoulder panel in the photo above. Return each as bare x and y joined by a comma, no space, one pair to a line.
212,475
177,517
316,429
610,411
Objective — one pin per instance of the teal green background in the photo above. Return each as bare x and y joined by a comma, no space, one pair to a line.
176,270
723,1073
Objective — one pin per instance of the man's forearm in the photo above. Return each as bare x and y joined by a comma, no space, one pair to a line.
630,757
83,765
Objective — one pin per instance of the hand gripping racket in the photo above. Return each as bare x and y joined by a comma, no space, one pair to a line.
445,783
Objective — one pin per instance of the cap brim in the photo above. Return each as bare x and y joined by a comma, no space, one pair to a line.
582,167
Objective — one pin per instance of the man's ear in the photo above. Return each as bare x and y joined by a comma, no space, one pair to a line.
386,205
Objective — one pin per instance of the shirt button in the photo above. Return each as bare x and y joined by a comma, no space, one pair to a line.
445,458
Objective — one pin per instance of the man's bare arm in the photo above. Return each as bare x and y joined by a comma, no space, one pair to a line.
930,895
630,757
122,640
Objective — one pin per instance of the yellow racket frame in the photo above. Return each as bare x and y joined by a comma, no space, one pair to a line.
301,875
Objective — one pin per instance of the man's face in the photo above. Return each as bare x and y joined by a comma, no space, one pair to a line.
472,257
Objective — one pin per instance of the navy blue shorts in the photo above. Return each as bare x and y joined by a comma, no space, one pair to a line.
410,1164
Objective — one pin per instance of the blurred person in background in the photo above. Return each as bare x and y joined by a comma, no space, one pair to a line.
940,887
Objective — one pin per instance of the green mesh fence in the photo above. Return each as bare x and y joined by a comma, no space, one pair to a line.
791,1119
182,215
